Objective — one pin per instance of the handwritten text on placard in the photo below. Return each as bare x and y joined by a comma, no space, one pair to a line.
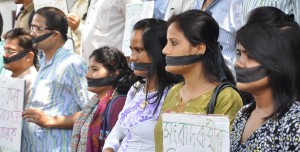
186,132
11,107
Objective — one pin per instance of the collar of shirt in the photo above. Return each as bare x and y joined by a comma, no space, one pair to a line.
25,10
28,71
199,4
28,8
57,53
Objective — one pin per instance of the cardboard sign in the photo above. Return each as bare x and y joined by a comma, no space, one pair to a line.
201,133
11,107
134,13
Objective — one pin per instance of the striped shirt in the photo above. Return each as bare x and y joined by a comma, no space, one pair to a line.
60,89
242,8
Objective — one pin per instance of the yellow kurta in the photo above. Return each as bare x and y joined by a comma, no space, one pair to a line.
228,103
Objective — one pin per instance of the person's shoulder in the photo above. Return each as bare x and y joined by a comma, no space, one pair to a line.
176,87
289,129
119,97
172,92
71,58
134,89
242,111
293,114
229,90
229,93
30,73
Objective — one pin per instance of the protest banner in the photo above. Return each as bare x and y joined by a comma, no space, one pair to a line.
189,133
134,13
11,107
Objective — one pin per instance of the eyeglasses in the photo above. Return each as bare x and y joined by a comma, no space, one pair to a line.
38,29
10,52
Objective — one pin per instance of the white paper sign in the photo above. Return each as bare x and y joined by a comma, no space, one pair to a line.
60,4
11,107
191,133
134,13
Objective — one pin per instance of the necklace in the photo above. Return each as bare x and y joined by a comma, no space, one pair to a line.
181,105
144,104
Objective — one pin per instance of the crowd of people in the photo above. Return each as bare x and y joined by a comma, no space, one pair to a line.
91,97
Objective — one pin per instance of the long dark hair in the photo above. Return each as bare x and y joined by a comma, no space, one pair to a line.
113,60
272,17
199,27
268,16
154,40
292,35
268,47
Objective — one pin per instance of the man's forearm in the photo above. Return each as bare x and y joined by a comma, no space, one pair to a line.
63,122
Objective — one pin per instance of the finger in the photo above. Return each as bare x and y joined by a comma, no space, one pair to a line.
71,19
29,112
29,116
30,120
30,109
71,22
25,112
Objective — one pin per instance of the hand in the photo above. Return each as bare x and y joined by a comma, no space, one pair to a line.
73,21
37,116
108,150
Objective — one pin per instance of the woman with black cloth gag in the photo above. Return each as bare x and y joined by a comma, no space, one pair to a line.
194,52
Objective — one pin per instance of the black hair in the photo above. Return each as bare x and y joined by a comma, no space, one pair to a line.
113,60
1,25
269,48
55,20
292,35
154,40
199,27
146,23
24,40
272,17
268,16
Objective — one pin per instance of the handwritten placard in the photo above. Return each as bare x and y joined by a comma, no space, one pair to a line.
134,13
11,107
60,4
189,133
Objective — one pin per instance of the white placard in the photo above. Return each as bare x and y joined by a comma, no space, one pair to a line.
189,133
11,107
134,13
60,4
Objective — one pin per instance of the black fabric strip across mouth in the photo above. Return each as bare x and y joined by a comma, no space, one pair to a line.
183,60
246,75
141,66
101,81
